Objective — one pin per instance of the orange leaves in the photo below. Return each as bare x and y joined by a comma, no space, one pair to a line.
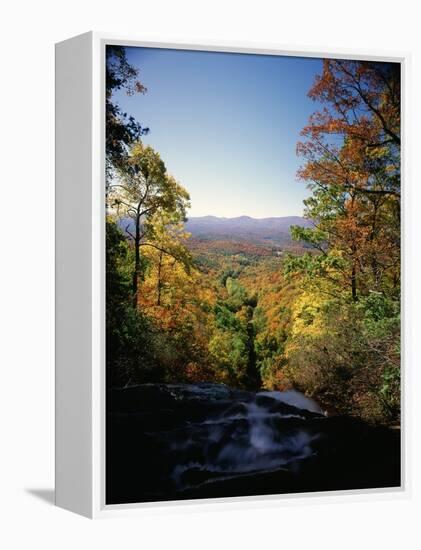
352,165
358,94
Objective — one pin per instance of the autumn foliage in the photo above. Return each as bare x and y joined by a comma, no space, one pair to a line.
323,316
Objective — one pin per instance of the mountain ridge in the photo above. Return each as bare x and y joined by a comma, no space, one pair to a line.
243,217
273,228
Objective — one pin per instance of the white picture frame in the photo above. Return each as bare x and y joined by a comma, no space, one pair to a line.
80,275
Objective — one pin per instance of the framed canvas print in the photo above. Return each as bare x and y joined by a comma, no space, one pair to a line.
228,273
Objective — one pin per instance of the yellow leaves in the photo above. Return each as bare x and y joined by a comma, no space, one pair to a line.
306,318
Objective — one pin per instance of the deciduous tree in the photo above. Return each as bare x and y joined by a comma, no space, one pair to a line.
141,194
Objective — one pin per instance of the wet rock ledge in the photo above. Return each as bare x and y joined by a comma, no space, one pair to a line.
179,441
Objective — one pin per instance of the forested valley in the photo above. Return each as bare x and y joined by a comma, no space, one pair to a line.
318,312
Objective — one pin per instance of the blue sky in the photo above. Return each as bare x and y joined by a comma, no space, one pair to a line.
226,126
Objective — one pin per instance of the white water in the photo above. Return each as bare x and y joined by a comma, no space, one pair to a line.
252,438
294,398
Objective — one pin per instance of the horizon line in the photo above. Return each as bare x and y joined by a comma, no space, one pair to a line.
245,216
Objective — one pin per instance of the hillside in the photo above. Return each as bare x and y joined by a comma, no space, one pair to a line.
275,230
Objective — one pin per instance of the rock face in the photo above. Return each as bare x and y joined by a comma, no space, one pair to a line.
173,442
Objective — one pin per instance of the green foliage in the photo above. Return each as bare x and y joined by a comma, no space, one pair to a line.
128,332
237,295
228,273
313,265
381,314
315,237
345,354
229,351
232,346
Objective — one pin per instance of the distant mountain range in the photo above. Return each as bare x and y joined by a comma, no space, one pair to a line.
245,228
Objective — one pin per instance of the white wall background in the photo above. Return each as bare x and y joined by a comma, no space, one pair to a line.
28,32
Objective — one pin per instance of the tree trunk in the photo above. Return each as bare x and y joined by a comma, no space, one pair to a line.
354,264
136,271
354,283
373,235
159,284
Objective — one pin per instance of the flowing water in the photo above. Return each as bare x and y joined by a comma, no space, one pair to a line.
244,436
171,441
